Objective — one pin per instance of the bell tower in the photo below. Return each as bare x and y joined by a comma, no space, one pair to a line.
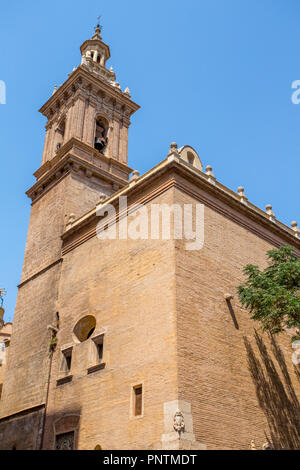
86,147
84,160
90,108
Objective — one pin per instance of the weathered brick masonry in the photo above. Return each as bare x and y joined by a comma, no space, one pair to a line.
147,346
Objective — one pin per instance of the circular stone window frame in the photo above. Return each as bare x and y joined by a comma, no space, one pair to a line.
82,330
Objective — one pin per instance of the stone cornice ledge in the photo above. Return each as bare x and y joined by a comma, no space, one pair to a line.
41,271
214,195
60,167
82,73
22,412
74,143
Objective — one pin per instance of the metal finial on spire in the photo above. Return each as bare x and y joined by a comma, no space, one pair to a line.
98,29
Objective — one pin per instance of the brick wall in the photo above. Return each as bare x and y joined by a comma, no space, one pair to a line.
166,325
129,287
241,385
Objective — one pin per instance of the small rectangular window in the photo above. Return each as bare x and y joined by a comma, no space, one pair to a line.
138,400
67,360
98,341
96,358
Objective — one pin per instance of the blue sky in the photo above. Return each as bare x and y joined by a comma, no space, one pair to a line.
214,74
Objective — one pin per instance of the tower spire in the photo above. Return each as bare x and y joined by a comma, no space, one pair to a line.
98,30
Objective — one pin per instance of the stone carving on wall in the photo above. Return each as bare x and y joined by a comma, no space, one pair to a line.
178,423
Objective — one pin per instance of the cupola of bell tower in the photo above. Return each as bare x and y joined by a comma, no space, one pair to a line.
94,55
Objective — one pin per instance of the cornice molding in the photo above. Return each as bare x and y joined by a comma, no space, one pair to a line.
22,412
53,171
95,154
82,78
41,271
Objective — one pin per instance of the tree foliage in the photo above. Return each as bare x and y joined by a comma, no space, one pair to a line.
273,295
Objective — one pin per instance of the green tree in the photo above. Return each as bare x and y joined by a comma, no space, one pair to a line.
273,295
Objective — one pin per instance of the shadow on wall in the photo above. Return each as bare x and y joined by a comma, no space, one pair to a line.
276,395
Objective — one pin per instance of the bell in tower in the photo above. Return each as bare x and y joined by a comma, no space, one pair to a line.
101,135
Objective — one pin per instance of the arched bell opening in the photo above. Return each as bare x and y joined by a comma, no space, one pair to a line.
190,158
60,134
101,134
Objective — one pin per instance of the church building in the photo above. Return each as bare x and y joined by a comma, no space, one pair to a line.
139,342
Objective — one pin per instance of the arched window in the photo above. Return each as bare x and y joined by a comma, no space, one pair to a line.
191,158
101,134
60,134
189,155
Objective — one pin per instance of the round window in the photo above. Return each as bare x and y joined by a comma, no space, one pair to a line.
84,328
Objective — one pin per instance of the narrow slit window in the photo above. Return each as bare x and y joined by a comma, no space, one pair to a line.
138,400
96,357
67,360
191,158
100,351
98,341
